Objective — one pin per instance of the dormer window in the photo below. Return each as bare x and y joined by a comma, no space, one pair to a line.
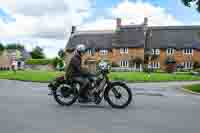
103,51
187,50
124,50
156,51
170,51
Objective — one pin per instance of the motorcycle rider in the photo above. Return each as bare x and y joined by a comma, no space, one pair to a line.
75,72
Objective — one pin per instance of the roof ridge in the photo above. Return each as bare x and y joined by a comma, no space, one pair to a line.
181,27
94,31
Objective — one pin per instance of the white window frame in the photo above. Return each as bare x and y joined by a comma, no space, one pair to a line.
124,50
124,64
188,51
188,65
155,65
170,51
103,51
156,51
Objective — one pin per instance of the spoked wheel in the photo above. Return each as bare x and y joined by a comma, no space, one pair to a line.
65,95
119,95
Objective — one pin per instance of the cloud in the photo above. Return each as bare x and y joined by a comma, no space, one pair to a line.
46,18
99,24
133,13
47,22
138,10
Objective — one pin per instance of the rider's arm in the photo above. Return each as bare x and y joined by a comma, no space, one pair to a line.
76,65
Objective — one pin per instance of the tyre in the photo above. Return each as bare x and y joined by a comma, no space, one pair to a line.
65,95
117,92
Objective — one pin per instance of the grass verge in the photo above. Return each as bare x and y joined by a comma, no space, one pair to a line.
46,76
193,88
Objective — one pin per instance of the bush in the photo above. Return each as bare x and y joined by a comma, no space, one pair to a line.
196,65
197,70
39,61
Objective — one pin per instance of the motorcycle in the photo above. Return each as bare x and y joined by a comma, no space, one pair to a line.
67,92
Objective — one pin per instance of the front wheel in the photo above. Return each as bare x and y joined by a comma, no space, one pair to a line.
118,95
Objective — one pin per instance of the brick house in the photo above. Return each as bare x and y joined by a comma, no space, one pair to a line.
4,60
126,45
8,55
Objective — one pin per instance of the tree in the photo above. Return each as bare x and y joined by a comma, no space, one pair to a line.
2,47
15,47
61,53
58,63
189,2
37,53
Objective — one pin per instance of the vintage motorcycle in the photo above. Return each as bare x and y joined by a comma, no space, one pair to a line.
117,94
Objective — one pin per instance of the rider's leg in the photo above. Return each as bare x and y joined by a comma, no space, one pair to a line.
84,82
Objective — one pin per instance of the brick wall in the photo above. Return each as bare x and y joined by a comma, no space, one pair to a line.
132,52
114,55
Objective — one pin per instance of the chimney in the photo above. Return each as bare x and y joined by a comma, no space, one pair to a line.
73,29
146,21
118,23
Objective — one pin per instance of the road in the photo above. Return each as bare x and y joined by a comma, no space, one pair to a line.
26,108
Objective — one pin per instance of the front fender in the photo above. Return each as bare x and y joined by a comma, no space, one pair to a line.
111,83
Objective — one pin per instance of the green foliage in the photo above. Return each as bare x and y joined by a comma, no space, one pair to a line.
2,48
38,61
57,62
188,3
15,46
197,70
61,53
37,53
196,65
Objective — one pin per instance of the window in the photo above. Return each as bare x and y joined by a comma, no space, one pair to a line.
187,50
124,50
89,51
155,65
103,51
187,65
124,63
156,51
170,51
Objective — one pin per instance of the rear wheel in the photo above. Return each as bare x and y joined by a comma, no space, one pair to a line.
65,95
118,95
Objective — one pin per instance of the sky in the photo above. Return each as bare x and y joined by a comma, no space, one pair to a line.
47,23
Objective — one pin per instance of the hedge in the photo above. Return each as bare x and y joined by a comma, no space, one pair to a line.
39,61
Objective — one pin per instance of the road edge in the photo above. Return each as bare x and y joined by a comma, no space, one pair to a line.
189,91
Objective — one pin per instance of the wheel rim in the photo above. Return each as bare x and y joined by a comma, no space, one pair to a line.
120,99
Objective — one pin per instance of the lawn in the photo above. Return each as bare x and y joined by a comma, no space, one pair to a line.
194,88
45,76
141,76
35,76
